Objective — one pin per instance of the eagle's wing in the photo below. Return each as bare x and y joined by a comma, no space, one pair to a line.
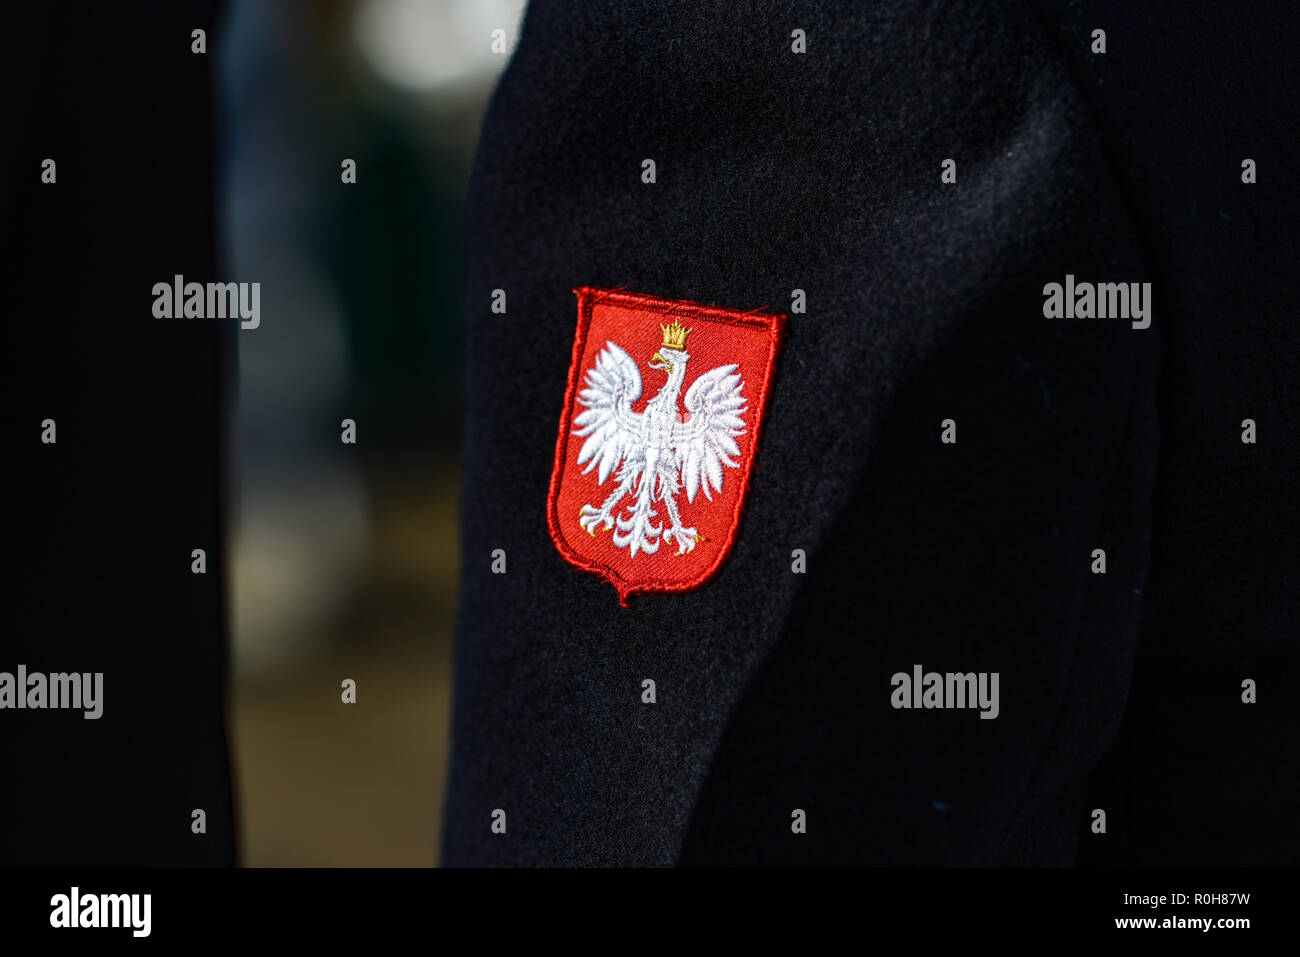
708,441
608,422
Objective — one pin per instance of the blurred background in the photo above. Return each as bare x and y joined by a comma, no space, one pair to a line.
344,557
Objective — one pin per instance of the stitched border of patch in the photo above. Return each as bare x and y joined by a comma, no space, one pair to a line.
759,322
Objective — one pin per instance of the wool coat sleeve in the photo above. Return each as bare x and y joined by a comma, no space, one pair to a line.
946,457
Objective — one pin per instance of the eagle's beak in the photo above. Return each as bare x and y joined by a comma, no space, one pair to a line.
658,357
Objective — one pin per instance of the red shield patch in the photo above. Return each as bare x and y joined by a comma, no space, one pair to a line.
658,437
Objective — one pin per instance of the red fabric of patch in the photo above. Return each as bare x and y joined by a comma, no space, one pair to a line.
658,437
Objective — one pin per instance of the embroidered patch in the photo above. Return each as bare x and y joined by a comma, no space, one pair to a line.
658,437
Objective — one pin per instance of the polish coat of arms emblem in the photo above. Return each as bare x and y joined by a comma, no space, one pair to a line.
652,467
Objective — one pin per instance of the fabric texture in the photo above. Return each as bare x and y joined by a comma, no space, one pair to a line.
821,172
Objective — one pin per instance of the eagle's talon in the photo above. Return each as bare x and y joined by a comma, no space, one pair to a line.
593,519
685,538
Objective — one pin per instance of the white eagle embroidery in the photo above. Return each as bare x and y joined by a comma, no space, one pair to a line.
655,453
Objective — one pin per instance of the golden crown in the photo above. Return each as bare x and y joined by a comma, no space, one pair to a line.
675,336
